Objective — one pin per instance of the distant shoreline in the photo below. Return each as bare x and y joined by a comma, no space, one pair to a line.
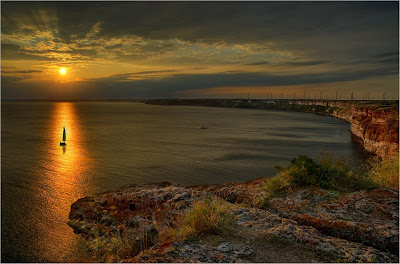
71,100
375,122
144,100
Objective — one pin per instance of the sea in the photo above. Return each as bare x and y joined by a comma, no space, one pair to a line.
115,144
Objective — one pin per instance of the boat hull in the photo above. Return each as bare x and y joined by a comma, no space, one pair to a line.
63,143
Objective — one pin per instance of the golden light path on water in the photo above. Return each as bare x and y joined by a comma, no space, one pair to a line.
65,179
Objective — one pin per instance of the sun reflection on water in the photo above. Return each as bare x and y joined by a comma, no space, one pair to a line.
65,178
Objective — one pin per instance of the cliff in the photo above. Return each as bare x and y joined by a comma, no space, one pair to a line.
319,225
376,123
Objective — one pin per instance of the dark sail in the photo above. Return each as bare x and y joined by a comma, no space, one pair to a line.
64,135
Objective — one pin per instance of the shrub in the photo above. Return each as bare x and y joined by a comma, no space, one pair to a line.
120,245
328,173
336,173
334,109
279,184
206,217
384,173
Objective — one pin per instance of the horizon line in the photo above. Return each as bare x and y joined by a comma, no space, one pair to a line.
145,99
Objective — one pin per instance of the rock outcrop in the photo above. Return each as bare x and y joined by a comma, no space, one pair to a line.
146,207
367,217
355,227
376,125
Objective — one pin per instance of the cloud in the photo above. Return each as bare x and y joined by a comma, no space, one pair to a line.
259,63
121,85
346,40
279,24
29,71
141,73
212,22
305,63
8,79
291,63
15,52
389,58
388,54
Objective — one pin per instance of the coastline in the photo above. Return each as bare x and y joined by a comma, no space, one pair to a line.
309,223
376,123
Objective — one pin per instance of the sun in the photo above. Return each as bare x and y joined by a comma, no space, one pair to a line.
63,71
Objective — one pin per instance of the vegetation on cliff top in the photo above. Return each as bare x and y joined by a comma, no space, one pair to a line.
384,173
333,173
207,217
210,216
117,246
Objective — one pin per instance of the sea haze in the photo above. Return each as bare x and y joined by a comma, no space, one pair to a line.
110,145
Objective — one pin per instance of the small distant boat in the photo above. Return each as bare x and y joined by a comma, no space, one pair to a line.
206,126
64,138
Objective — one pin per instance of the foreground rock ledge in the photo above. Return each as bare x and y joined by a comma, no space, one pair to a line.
355,227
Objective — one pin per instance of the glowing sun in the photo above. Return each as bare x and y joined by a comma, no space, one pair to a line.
63,71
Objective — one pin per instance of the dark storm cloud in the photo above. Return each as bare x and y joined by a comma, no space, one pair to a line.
211,21
327,29
287,24
215,21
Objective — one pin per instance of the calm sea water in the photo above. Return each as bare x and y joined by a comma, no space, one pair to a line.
110,145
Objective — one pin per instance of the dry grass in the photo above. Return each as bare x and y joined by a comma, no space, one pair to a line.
385,173
207,217
120,245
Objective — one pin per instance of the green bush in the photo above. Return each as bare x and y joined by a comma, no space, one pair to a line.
336,173
328,173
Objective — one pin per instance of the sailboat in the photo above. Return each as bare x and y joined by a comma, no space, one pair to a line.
64,138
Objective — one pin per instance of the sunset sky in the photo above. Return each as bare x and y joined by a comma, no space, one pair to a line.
199,49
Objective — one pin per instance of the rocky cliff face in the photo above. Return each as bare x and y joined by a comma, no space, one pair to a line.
376,125
356,227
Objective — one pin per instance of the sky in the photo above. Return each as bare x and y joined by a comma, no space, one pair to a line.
132,50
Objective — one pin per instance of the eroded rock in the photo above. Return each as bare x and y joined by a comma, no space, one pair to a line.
355,227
